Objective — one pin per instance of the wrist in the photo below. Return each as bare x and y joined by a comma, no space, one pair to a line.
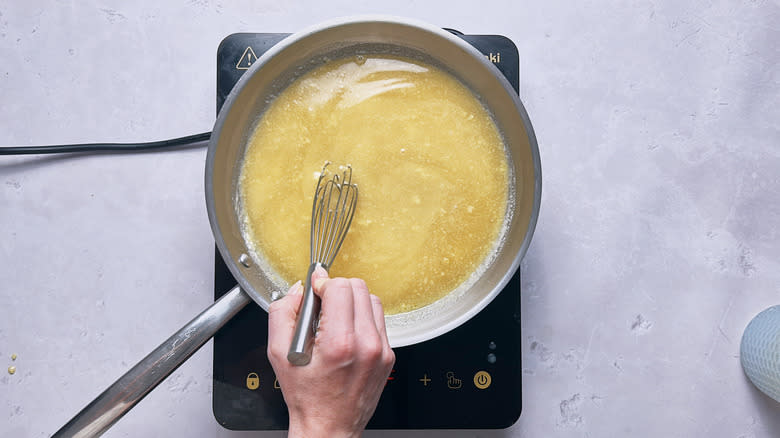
315,429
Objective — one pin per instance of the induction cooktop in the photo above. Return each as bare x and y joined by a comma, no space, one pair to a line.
468,378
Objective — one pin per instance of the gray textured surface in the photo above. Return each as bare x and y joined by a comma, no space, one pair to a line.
659,236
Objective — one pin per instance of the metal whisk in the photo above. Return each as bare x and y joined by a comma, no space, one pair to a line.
331,215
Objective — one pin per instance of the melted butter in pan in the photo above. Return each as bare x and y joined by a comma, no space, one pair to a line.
429,161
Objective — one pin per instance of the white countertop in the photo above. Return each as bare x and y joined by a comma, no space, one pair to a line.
658,239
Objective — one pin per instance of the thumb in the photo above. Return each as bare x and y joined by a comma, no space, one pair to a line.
282,314
318,278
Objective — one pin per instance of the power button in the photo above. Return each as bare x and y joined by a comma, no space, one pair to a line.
482,379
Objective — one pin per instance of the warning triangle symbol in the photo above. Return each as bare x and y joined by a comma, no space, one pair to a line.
247,59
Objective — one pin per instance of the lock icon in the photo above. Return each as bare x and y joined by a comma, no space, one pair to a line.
252,381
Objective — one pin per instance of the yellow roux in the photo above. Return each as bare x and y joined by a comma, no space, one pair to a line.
429,162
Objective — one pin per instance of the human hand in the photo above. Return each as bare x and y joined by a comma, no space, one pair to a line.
337,392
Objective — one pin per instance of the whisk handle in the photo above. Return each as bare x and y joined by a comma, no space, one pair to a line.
306,326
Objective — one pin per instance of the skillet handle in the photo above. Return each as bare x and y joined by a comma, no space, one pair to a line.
121,396
306,326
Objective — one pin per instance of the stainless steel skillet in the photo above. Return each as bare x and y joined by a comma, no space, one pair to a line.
270,74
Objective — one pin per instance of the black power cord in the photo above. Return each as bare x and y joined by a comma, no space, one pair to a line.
105,147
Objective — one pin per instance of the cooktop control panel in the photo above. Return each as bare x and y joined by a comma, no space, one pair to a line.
467,378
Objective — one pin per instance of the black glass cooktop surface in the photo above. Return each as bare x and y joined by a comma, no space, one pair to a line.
469,378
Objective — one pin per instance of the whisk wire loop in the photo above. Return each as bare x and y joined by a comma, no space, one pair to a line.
332,210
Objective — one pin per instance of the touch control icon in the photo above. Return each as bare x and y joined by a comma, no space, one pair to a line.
482,379
252,381
452,382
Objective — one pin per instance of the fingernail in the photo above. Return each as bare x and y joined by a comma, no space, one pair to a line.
320,271
295,289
